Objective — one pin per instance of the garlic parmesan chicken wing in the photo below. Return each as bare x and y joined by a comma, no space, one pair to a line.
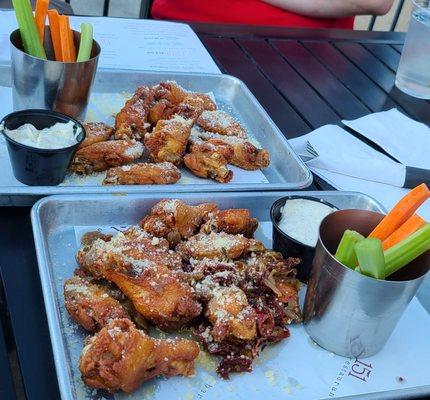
168,140
245,154
131,122
222,123
122,357
96,132
189,108
143,174
206,161
147,272
233,221
175,220
218,245
90,304
104,155
230,314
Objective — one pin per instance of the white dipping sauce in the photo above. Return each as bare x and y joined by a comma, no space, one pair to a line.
301,218
57,136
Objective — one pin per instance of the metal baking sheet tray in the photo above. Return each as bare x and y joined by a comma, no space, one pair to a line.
111,88
295,368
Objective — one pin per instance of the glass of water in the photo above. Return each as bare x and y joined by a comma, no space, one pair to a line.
413,73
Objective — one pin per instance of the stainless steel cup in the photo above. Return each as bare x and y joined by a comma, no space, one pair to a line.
48,84
345,312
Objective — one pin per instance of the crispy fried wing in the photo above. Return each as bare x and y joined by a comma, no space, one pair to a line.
96,132
230,314
245,154
175,220
131,121
143,174
121,357
189,108
221,123
218,245
168,140
206,161
233,221
104,155
90,304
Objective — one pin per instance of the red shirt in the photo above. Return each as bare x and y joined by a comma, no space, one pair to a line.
249,12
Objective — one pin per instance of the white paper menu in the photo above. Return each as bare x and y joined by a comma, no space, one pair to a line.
134,44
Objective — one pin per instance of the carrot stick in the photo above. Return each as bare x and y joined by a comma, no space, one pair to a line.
54,26
66,49
40,17
408,228
72,45
401,212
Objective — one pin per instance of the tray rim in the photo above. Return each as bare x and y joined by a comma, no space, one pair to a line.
35,191
54,322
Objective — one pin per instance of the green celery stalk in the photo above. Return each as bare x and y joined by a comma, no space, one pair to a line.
86,42
407,250
370,257
27,27
345,252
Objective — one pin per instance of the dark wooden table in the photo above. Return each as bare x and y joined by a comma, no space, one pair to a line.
303,78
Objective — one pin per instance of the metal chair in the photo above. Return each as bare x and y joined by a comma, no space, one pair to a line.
144,12
395,18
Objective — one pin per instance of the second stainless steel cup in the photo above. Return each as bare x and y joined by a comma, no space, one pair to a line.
51,85
345,312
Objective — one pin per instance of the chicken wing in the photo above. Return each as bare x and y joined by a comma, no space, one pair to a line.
206,161
233,221
143,174
96,132
90,304
121,357
245,154
104,155
175,220
218,245
230,314
131,122
168,140
221,123
189,108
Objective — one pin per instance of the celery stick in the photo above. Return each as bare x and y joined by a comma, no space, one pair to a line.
407,250
371,258
345,252
27,27
86,42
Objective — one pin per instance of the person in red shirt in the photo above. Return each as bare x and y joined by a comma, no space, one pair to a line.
292,13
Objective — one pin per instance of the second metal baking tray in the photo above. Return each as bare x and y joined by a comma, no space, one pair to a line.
295,367
286,170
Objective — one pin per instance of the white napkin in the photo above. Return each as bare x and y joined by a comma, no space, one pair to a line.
405,139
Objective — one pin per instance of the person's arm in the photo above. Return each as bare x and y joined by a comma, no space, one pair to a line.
333,8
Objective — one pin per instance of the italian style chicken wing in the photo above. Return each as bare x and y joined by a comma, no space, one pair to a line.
189,108
122,357
218,245
143,174
96,132
230,314
233,221
168,140
175,220
131,122
91,304
104,155
221,123
206,161
245,154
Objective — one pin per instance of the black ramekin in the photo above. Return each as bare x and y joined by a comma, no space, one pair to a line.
33,166
288,246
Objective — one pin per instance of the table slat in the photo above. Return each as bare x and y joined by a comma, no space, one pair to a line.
7,390
326,84
387,54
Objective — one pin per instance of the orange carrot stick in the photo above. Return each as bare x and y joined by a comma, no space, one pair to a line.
72,45
40,17
54,26
401,212
408,228
65,36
